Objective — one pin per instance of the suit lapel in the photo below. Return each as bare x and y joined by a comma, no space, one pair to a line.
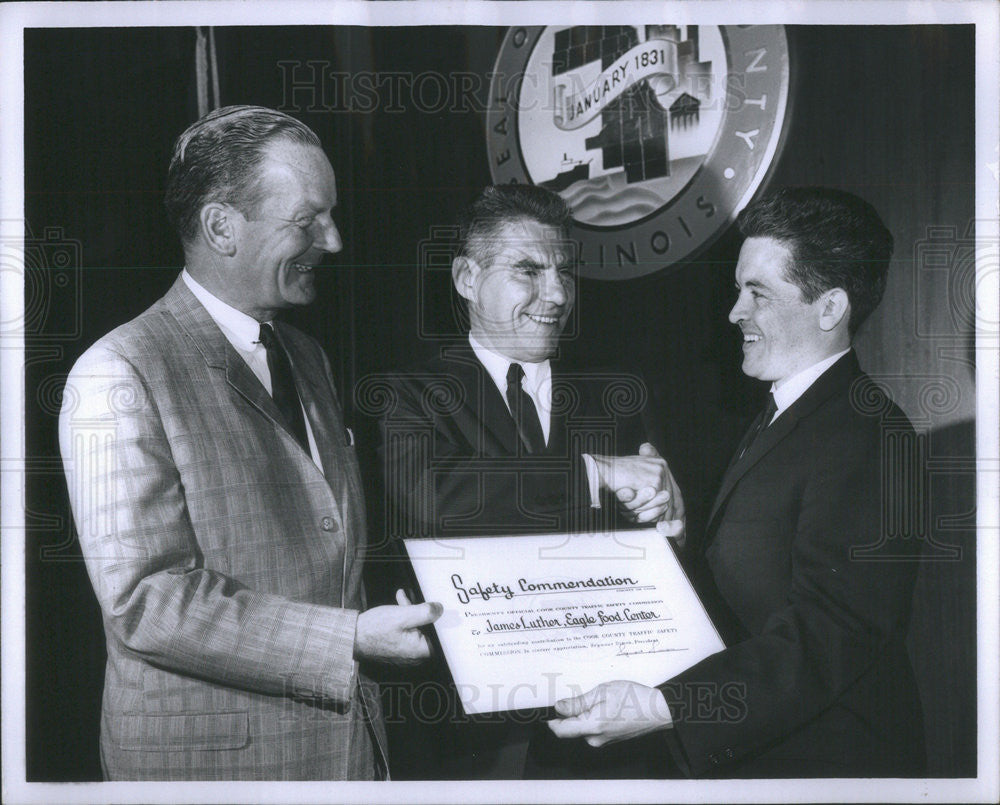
484,418
827,384
309,383
485,415
219,353
767,440
562,391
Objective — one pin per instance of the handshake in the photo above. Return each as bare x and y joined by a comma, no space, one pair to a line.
642,484
645,487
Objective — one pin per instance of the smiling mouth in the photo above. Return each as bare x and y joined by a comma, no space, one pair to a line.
750,338
542,319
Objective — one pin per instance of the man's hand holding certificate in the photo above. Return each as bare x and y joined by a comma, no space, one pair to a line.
612,712
531,620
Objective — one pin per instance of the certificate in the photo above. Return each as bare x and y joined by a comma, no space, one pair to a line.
531,619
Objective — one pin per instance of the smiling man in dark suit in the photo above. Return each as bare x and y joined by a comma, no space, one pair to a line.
798,564
492,438
509,452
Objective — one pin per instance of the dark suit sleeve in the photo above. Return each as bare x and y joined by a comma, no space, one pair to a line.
440,482
841,612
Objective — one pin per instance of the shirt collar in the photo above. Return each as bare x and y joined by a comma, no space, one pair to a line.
797,384
242,330
535,374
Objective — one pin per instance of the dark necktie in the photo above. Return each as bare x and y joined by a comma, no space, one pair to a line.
283,385
759,425
529,428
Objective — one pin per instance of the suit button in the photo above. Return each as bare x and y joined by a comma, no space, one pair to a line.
714,758
327,523
730,754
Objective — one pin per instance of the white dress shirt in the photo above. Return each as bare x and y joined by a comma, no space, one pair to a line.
797,385
243,332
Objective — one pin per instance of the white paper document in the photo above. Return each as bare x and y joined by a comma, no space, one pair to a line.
532,619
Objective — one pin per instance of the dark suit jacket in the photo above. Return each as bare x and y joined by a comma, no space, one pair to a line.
808,568
453,465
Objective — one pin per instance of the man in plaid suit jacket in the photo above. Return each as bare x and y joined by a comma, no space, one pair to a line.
217,495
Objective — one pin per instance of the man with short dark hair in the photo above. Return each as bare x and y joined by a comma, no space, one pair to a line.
216,492
516,272
492,438
804,564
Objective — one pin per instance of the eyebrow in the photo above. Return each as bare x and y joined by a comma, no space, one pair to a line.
312,209
527,262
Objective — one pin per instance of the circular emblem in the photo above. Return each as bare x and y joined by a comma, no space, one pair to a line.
655,135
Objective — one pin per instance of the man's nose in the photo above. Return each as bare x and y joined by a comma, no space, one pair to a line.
327,236
552,288
737,314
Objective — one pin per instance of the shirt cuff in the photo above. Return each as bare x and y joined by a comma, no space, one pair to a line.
593,480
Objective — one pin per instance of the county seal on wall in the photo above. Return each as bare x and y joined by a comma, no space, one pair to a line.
655,135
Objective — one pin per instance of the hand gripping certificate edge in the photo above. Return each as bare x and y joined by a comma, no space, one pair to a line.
527,714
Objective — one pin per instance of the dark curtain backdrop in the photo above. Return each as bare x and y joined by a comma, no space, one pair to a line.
886,112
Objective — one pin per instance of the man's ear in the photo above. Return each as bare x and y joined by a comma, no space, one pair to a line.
217,228
463,274
834,308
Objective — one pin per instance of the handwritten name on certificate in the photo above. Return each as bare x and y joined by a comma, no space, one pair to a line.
532,619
